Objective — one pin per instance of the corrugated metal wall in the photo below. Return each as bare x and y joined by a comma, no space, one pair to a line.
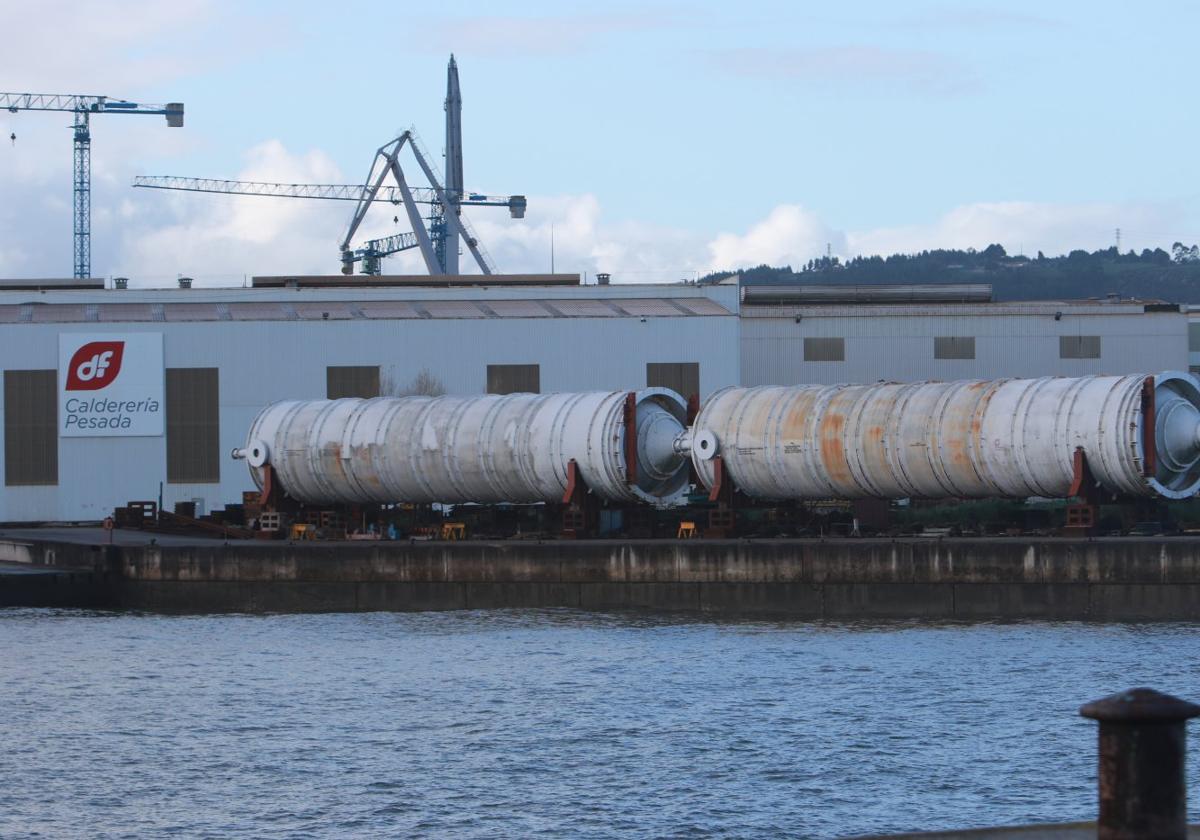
902,344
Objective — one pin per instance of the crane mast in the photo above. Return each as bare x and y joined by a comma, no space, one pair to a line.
448,256
83,106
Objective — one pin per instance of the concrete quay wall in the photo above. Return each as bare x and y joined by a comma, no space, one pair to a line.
1123,579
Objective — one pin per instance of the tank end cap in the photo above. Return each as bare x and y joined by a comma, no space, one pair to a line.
704,445
257,453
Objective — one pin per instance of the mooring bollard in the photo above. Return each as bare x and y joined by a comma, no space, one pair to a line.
1143,791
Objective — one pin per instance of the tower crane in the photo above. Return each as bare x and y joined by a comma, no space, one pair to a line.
438,240
83,107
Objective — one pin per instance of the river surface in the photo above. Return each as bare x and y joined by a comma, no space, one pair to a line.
555,724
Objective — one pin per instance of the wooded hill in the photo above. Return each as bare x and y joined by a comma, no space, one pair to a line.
1171,276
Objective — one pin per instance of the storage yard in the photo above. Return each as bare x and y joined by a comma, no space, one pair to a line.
208,361
543,407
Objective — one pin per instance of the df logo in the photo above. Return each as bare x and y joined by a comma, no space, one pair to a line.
95,365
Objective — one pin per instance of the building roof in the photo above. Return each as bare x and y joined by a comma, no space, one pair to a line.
38,312
958,310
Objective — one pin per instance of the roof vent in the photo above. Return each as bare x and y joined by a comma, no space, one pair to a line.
603,278
120,282
185,282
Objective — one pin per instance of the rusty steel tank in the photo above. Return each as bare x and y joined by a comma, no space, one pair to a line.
1140,436
455,449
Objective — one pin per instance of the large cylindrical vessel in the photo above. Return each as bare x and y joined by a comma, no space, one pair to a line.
1140,436
511,448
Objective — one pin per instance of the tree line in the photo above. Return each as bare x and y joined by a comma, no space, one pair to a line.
1159,274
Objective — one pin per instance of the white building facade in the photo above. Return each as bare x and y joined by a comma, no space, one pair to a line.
112,396
109,394
858,343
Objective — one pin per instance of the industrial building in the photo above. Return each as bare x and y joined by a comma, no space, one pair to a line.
1193,338
830,334
111,393
187,370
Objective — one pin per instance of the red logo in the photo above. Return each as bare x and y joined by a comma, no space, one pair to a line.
95,365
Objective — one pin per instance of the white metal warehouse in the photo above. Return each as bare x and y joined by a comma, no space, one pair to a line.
76,446
828,339
108,393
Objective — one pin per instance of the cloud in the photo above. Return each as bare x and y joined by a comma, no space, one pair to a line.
919,71
789,235
153,236
220,239
950,17
862,67
1055,228
510,36
120,48
584,242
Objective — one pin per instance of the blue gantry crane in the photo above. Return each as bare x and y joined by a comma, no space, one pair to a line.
438,234
84,107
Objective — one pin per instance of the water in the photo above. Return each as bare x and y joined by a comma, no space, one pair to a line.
554,724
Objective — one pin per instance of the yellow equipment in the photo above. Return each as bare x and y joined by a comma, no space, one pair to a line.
300,531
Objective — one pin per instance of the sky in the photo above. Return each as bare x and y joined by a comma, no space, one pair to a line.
654,141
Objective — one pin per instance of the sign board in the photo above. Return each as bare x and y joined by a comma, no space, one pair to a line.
110,385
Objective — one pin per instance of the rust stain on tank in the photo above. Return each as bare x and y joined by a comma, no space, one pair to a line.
832,432
363,455
333,458
795,420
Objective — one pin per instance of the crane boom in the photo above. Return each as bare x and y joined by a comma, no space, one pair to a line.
80,103
83,106
332,192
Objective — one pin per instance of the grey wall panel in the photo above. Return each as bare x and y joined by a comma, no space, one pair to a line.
514,379
681,377
824,349
1079,346
30,427
193,425
954,347
351,381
